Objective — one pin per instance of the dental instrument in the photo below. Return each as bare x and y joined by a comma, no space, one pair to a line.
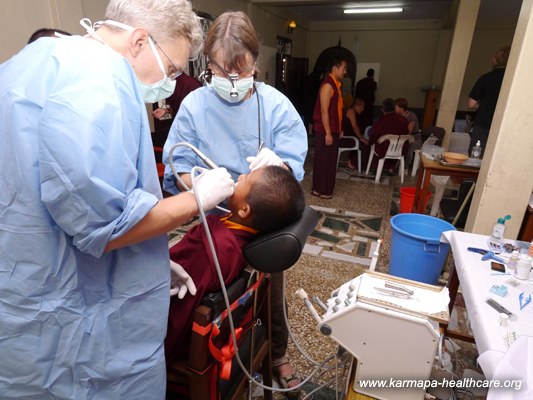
487,254
202,156
396,290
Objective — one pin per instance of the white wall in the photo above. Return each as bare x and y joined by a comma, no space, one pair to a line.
405,51
412,54
21,19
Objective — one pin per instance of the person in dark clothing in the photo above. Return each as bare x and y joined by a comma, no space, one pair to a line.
327,125
265,200
400,106
390,123
351,127
366,89
484,96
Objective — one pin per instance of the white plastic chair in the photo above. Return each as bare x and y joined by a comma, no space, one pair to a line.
394,152
366,135
355,147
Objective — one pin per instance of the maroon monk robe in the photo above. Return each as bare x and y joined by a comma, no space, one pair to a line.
388,124
325,160
194,255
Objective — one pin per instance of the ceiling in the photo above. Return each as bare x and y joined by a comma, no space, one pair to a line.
331,10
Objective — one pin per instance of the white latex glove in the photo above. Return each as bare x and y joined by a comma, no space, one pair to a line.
264,158
213,186
180,281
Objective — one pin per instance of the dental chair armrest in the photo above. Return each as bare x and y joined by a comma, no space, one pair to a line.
278,251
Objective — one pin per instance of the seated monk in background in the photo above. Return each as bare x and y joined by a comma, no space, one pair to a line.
390,123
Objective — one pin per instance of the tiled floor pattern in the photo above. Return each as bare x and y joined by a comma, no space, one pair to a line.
178,233
344,236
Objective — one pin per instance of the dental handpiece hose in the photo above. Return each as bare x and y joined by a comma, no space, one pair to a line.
202,156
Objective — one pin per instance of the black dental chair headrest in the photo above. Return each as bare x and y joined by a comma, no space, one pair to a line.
278,251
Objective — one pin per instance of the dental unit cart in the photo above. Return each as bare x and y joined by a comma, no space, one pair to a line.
391,326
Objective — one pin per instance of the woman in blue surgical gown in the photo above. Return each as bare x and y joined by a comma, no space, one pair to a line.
241,125
84,268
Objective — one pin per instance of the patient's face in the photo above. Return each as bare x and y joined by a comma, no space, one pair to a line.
244,186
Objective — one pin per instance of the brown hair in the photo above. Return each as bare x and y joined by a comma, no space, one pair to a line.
402,103
233,36
502,55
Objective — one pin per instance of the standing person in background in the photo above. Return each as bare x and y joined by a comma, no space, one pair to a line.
163,116
327,124
366,89
484,96
242,125
84,265
400,107
351,127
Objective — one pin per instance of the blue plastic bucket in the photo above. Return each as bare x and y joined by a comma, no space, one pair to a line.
416,250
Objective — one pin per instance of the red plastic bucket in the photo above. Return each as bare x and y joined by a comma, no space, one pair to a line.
407,199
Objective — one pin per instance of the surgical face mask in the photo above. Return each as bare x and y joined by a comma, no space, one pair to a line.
151,92
223,87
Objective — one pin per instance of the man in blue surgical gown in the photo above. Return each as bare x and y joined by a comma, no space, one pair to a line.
84,267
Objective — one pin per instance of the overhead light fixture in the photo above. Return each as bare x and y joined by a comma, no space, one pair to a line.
367,10
292,25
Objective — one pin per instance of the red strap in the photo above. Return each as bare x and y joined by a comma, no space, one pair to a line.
244,296
224,355
201,330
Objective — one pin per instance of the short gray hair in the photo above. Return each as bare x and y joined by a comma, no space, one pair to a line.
165,20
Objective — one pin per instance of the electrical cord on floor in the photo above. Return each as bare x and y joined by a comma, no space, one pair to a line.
332,381
295,341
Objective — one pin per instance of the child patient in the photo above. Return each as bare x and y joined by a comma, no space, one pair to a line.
265,200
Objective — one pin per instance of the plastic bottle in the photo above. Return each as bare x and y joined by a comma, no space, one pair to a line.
496,238
476,151
431,140
523,267
513,260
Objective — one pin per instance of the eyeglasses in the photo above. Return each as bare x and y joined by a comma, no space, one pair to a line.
177,72
232,76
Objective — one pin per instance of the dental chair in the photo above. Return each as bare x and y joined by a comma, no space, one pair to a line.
204,375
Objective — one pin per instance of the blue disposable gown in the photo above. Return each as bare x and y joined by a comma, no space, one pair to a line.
77,170
227,133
